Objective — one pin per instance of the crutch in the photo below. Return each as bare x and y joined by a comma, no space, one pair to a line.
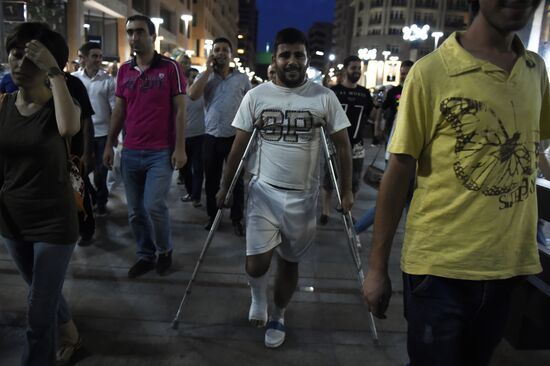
353,238
213,228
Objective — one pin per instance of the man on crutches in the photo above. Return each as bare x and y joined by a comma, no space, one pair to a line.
283,192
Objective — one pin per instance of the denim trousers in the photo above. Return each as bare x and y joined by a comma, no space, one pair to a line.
454,322
147,175
43,267
100,172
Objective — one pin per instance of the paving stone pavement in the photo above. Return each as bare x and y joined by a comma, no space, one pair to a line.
127,322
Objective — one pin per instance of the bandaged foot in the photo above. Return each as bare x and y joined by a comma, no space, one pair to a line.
257,315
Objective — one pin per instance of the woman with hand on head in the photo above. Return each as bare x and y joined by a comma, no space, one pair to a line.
38,215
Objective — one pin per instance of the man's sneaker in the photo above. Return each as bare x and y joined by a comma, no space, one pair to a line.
164,262
275,333
186,198
197,204
323,220
141,267
238,228
66,352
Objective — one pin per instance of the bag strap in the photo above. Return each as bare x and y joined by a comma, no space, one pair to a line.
376,155
2,98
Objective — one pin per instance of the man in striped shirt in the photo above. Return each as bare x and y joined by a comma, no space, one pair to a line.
150,105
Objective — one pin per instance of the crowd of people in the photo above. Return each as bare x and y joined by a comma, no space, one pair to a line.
462,146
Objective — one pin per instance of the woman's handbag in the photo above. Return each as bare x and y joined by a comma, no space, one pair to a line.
74,167
373,174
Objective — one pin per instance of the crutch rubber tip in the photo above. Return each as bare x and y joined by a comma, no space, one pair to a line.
175,325
376,342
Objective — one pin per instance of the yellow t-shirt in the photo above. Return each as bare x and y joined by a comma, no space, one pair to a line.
474,130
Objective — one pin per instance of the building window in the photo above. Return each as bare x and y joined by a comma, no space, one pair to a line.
141,6
167,16
361,6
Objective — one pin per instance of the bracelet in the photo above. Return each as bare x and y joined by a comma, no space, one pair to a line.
54,71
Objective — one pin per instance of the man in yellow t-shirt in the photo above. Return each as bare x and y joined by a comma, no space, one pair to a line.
469,125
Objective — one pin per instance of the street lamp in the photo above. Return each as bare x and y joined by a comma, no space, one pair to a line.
331,57
157,22
186,19
208,44
386,54
436,36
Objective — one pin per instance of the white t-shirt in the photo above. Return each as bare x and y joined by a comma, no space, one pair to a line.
288,145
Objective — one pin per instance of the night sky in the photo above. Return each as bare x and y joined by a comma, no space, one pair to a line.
274,15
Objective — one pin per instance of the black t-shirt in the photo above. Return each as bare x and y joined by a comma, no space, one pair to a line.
357,104
80,94
390,106
36,196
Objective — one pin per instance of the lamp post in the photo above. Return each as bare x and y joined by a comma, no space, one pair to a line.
208,44
186,19
436,36
157,22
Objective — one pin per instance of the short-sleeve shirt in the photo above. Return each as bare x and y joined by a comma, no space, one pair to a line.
357,103
474,130
222,98
195,117
101,91
150,113
36,196
289,145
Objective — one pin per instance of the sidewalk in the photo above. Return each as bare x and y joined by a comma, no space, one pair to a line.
127,322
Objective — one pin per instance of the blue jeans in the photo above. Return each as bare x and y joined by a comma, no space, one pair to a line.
147,175
366,220
43,267
100,173
454,322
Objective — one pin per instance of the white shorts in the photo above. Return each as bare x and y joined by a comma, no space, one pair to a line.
280,218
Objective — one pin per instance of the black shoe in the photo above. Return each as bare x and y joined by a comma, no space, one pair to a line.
323,220
209,224
141,267
186,198
84,241
164,262
238,228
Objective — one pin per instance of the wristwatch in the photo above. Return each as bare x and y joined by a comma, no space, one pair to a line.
54,71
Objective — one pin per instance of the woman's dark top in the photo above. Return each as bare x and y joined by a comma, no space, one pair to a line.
36,196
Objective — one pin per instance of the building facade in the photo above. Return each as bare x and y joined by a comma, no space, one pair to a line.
320,44
378,24
342,30
248,31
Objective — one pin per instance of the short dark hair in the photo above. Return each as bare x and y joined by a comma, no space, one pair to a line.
88,46
223,40
144,18
188,72
407,63
289,36
352,58
474,9
53,41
